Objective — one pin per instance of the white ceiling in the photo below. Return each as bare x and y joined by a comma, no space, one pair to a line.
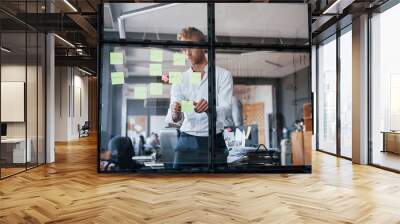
232,19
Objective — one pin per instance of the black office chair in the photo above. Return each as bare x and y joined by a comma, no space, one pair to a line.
122,152
84,129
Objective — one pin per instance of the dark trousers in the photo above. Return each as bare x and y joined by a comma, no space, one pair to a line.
192,151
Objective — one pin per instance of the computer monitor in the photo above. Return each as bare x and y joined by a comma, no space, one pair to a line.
3,129
251,133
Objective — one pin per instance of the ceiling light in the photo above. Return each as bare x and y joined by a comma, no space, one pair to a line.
65,41
70,5
5,50
338,6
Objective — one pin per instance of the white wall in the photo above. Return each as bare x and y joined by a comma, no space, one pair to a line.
71,87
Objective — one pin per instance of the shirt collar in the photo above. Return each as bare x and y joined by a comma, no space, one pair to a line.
205,71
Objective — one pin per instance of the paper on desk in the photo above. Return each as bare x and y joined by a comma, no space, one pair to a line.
156,55
117,78
248,132
155,69
156,89
179,59
140,93
116,58
187,106
195,78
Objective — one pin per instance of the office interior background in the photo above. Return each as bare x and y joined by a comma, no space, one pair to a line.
324,86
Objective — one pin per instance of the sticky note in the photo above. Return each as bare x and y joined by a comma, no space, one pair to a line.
187,106
155,69
116,58
175,78
156,55
117,78
195,78
179,59
140,92
156,89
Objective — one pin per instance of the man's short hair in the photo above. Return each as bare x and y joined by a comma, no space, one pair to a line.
190,32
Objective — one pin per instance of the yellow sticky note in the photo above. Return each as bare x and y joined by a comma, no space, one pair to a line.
116,58
117,78
156,55
156,89
155,69
195,78
187,106
175,78
179,59
140,93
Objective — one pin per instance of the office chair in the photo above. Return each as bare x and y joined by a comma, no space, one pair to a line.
84,130
122,152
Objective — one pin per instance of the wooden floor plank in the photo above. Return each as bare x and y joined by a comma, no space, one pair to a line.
71,191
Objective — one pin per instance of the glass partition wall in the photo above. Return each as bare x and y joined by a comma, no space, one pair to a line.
200,87
22,88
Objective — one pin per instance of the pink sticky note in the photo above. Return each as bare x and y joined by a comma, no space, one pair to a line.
164,78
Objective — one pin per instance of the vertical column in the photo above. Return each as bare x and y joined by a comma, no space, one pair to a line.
50,98
360,90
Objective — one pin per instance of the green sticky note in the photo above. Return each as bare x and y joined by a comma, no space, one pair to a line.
140,93
175,78
187,106
179,59
155,69
117,78
156,55
116,58
195,78
156,89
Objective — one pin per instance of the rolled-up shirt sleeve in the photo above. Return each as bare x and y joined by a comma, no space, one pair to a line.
224,97
176,96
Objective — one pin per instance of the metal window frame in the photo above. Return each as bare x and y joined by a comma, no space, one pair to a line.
339,32
381,9
211,45
44,74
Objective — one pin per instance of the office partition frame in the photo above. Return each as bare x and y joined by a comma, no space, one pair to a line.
211,46
30,29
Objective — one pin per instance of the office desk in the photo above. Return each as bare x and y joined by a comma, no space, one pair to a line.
13,150
391,142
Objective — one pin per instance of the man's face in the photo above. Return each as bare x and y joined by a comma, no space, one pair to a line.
194,55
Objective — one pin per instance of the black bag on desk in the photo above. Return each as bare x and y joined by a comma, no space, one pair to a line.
264,156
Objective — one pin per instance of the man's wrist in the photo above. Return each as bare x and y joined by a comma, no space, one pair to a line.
176,116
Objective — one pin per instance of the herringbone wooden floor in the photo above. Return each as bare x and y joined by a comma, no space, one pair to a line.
70,191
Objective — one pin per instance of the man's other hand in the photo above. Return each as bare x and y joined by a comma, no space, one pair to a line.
201,106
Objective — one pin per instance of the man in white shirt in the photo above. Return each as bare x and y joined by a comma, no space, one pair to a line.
192,147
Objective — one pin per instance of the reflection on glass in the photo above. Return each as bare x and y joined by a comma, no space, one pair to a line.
385,85
257,23
15,148
346,94
327,97
259,117
154,109
152,21
155,104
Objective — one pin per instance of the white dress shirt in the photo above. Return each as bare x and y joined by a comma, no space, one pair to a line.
197,123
